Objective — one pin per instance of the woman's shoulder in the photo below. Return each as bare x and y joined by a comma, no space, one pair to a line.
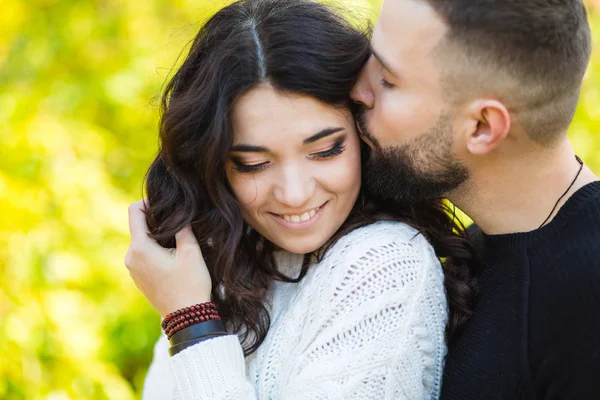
384,264
392,251
380,235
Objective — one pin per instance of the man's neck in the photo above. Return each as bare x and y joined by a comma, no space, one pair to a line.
518,195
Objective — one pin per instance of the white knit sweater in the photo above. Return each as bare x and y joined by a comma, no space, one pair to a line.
367,322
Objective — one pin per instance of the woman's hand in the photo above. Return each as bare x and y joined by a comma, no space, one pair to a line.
169,278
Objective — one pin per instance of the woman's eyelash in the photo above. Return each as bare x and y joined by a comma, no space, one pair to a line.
336,150
246,169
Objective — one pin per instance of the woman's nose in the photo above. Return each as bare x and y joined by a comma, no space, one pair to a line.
296,187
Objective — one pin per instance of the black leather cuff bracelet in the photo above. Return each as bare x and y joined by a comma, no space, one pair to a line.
198,330
184,345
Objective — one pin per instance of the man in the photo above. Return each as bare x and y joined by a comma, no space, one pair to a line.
471,100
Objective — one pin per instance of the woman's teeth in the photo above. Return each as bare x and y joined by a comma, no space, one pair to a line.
301,218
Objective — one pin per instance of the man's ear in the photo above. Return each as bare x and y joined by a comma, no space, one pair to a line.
489,126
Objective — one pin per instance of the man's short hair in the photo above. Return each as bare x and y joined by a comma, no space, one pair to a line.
529,54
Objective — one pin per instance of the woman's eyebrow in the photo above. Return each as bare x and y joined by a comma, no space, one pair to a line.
246,148
324,133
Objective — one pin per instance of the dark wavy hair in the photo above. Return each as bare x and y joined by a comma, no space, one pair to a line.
297,46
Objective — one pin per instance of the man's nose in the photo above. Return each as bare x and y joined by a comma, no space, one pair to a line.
362,93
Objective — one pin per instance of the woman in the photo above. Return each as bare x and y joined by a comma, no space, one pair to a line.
325,292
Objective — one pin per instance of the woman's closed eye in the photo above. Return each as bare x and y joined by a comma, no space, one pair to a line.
337,149
247,168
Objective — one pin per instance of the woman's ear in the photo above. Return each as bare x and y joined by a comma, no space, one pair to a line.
489,125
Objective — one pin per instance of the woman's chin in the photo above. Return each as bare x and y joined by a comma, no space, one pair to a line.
300,246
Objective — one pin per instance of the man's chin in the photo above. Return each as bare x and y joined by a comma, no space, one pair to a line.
385,178
390,177
390,192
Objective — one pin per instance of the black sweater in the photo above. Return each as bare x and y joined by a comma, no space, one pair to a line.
535,331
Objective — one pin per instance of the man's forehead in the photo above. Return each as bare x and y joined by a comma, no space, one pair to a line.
409,24
406,35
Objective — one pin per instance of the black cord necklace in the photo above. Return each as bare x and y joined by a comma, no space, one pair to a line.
566,191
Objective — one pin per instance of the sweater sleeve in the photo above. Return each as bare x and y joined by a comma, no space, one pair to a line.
198,371
374,330
159,383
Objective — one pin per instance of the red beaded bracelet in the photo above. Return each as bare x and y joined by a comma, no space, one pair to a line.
177,326
198,307
180,319
173,329
204,308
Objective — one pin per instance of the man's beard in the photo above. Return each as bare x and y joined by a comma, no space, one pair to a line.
422,169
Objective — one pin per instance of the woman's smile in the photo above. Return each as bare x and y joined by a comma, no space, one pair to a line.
299,221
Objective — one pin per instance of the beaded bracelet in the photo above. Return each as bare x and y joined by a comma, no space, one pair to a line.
198,307
185,317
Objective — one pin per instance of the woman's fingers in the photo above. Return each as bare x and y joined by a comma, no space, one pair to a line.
169,278
188,250
137,220
185,237
142,247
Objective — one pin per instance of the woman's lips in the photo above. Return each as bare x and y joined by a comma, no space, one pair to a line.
300,221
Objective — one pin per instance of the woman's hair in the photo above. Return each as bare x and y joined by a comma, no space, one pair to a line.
297,46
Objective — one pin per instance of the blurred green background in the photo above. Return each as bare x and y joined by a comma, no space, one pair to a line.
78,128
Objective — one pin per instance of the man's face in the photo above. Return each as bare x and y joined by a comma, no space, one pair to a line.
404,117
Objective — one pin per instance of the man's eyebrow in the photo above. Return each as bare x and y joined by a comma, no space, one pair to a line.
383,63
322,134
246,148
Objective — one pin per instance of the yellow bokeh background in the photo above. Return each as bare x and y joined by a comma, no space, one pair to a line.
78,111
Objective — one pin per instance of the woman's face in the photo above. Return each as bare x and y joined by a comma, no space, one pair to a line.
294,167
